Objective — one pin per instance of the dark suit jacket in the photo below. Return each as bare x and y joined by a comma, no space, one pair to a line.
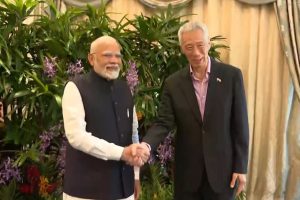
219,142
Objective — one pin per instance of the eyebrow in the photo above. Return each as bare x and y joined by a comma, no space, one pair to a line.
110,52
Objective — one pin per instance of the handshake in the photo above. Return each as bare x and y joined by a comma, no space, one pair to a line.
136,154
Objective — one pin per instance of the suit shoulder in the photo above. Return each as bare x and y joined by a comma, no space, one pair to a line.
226,68
77,79
176,76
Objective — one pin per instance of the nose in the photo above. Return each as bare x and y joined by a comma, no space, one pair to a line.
196,51
115,59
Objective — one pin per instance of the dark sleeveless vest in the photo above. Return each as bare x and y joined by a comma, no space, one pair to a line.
108,109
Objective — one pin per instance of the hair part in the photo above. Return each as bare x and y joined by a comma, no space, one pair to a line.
191,26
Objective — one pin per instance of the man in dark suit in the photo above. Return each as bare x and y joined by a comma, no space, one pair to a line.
206,103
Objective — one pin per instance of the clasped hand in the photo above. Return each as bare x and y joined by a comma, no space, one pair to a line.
136,154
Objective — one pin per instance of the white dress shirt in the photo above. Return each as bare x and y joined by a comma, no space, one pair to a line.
79,138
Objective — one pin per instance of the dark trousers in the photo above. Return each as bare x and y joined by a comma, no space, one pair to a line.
205,192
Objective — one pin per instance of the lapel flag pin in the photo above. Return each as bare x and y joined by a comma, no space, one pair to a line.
219,80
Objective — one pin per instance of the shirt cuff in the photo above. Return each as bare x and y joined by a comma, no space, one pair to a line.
148,145
115,153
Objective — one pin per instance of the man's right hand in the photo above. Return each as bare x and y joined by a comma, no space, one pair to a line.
135,154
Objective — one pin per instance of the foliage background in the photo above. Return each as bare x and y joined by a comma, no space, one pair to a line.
37,59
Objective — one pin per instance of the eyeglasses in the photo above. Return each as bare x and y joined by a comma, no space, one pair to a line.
110,55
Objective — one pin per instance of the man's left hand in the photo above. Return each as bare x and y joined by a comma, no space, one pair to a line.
241,180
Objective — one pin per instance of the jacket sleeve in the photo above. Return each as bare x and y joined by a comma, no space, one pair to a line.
239,126
165,121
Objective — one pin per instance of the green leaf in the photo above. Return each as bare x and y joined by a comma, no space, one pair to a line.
32,154
35,77
21,93
9,192
58,99
55,47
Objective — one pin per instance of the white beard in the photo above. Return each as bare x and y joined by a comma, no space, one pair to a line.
111,75
109,71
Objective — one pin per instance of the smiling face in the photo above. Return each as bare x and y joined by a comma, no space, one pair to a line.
195,46
105,57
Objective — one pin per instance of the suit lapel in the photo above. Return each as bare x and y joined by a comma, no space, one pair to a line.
211,89
189,93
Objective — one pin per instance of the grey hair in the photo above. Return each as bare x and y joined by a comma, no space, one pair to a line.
100,40
191,26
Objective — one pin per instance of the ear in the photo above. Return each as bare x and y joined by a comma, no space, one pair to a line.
181,49
208,45
91,59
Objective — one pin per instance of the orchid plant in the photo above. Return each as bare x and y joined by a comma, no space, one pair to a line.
36,61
